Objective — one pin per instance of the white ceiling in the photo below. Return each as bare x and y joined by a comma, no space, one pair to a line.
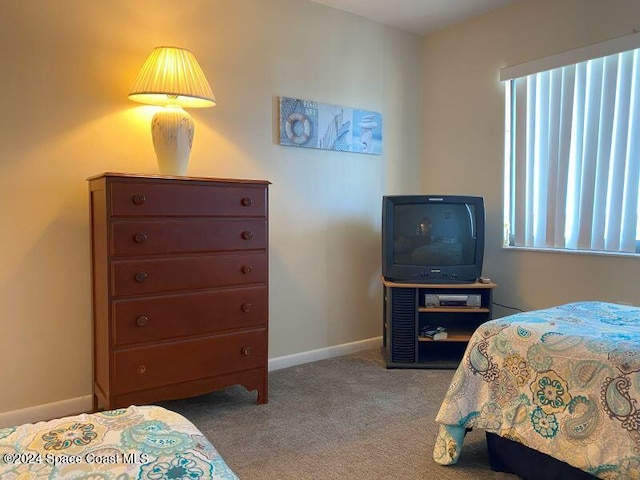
417,16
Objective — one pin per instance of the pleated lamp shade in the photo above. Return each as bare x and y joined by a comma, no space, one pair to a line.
171,77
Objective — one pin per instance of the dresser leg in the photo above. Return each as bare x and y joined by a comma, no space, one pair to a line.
262,394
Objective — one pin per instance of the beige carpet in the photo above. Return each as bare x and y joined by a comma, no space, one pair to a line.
343,418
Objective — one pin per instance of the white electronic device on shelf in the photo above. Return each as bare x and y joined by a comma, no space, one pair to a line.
452,300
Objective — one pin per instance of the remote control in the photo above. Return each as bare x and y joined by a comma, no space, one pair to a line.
484,279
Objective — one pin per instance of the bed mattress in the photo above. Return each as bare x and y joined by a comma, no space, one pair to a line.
146,442
564,381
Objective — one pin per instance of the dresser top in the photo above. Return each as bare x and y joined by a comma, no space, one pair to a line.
140,176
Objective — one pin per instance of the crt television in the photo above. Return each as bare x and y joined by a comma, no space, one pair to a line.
432,238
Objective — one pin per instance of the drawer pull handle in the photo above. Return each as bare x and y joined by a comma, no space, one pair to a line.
141,369
246,307
246,269
246,351
142,321
247,235
139,199
141,277
246,202
140,237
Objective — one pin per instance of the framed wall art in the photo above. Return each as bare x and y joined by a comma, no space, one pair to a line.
305,123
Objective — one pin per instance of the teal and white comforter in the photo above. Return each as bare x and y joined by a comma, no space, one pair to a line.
139,443
564,381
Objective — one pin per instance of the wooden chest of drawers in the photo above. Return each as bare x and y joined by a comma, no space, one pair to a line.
180,287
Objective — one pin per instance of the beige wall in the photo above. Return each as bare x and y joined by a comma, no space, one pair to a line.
67,66
463,137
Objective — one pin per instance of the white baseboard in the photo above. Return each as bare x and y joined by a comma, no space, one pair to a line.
323,353
39,413
73,406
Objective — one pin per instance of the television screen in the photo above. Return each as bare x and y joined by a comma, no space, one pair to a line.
432,239
434,234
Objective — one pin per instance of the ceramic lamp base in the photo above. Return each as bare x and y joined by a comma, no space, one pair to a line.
172,130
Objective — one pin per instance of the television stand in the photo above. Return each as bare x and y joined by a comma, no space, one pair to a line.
410,308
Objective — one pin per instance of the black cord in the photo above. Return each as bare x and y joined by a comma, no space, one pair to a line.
507,306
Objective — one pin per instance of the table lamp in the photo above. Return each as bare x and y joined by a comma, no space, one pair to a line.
171,77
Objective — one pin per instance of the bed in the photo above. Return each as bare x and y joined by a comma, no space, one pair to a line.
563,382
139,442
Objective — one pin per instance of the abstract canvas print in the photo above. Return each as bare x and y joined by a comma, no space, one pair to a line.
305,123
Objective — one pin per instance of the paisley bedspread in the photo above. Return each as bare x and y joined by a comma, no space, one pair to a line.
145,442
564,381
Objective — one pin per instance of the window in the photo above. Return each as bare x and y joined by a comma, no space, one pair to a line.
572,143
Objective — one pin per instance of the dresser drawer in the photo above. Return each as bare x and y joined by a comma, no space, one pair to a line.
146,237
170,363
139,277
174,316
187,199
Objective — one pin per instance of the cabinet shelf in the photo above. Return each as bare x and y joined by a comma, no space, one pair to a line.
454,309
406,313
452,336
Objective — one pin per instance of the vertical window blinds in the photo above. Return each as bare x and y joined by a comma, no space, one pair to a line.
572,141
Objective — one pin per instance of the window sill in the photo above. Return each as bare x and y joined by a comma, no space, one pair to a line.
572,252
